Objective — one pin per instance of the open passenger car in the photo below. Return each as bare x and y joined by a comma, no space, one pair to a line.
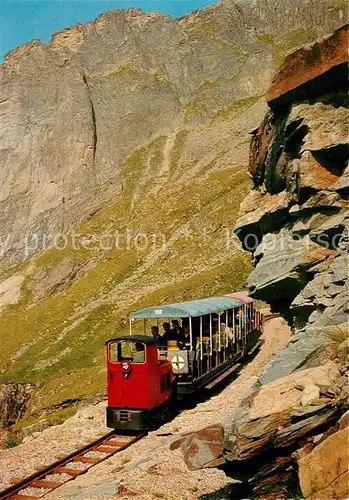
144,377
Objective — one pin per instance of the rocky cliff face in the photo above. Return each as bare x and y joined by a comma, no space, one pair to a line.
74,110
295,221
14,399
291,429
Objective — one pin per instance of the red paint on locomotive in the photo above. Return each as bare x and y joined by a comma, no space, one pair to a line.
143,385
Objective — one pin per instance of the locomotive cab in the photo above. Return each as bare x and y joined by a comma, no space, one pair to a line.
139,384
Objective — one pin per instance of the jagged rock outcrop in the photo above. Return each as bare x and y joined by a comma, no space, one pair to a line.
74,110
281,412
323,64
202,449
14,399
319,484
290,430
280,436
295,221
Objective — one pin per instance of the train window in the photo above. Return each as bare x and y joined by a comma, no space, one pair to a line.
230,317
165,382
113,352
138,352
125,350
162,383
168,381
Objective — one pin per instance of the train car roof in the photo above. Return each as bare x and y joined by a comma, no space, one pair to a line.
193,308
243,296
136,338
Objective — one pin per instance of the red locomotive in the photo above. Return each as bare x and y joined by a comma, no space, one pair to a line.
144,377
139,384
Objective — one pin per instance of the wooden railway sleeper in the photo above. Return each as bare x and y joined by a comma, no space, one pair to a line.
109,445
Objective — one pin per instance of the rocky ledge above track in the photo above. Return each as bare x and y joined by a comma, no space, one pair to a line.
295,220
291,430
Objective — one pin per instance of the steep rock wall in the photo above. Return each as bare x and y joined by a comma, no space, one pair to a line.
72,111
289,434
295,221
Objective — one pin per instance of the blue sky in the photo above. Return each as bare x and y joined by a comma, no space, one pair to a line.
24,20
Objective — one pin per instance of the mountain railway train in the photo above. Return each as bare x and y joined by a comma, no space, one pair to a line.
146,375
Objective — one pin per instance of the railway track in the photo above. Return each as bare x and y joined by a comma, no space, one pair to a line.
268,317
68,467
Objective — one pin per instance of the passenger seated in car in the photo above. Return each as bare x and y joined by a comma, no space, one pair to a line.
168,334
179,333
240,318
139,356
186,336
177,329
176,334
228,332
159,338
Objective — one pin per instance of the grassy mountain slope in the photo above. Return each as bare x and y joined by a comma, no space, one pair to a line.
55,336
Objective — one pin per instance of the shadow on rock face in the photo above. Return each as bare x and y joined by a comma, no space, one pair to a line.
233,491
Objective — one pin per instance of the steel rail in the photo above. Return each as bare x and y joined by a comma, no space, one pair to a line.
109,444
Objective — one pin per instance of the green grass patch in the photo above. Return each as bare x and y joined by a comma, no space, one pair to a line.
55,417
7,272
235,108
177,150
266,39
12,440
160,78
290,41
126,69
